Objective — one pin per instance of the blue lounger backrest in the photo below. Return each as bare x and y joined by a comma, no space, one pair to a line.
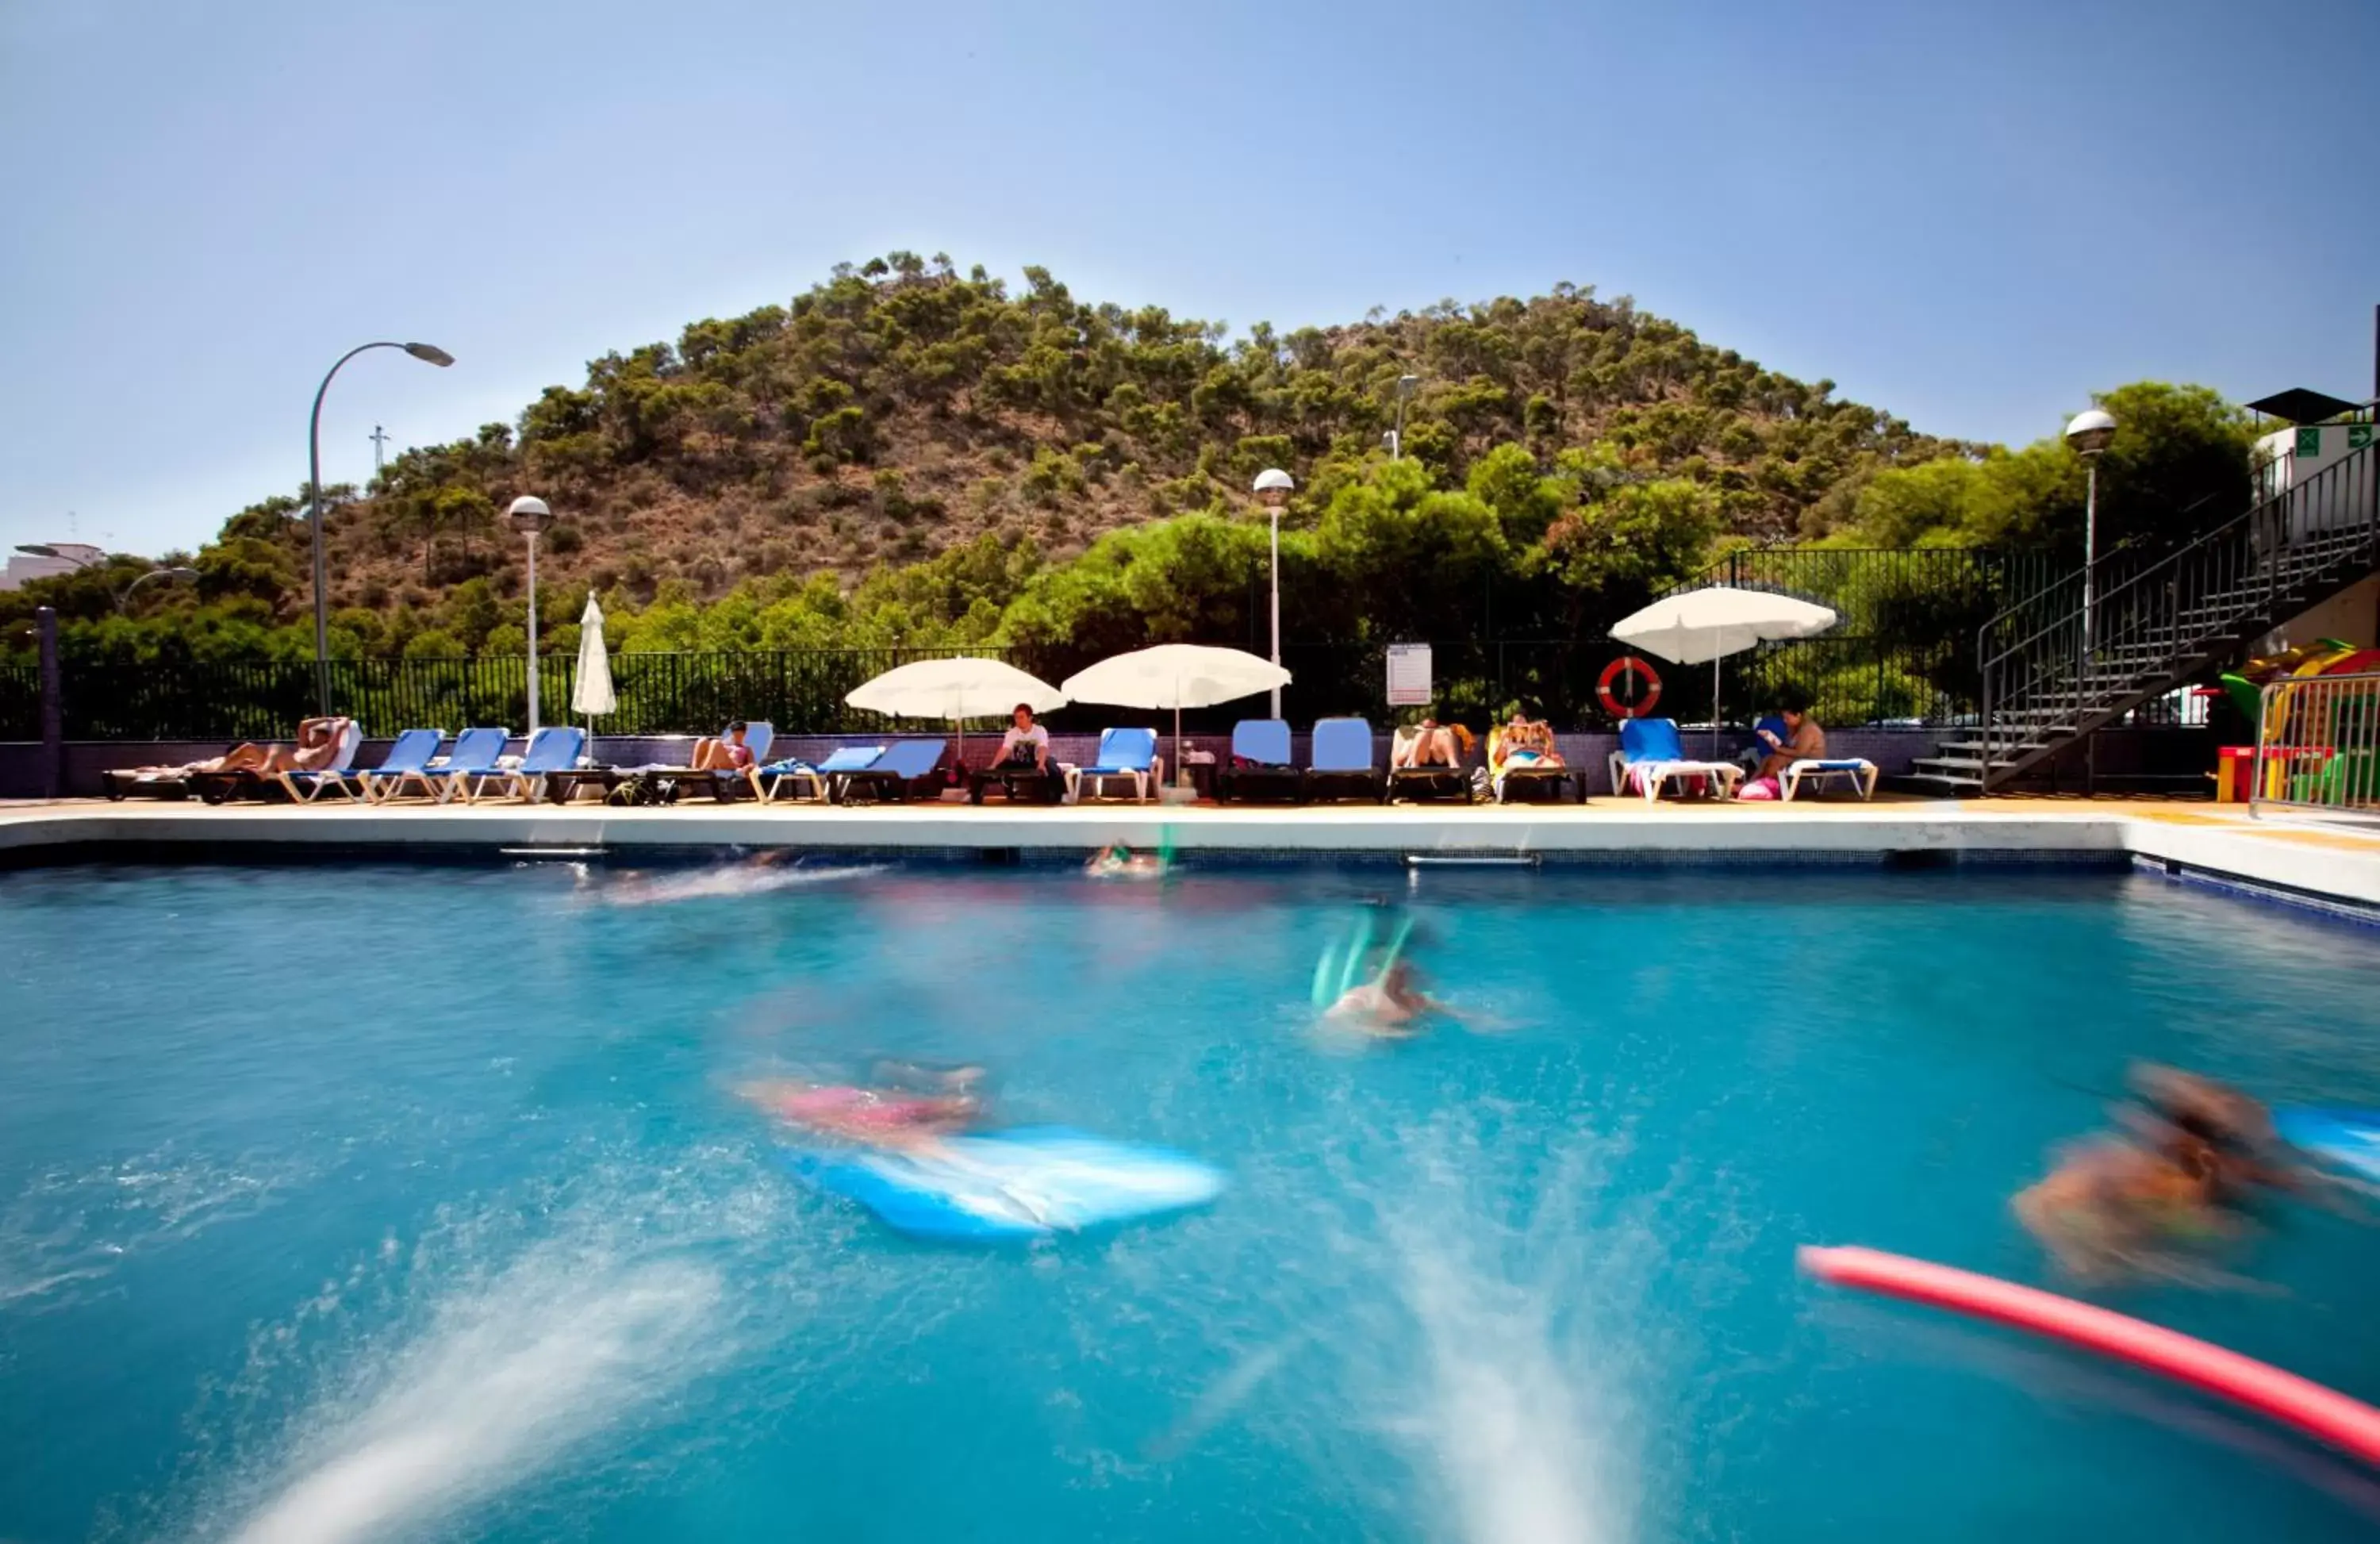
412,751
1261,741
475,749
759,738
554,749
1775,724
1342,744
1126,750
852,758
911,758
1650,739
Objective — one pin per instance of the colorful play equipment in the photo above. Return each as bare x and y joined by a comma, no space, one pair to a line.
2322,1414
2301,730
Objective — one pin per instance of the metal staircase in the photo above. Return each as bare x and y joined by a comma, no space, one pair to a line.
2054,673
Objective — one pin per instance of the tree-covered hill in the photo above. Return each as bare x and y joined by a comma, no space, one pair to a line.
906,454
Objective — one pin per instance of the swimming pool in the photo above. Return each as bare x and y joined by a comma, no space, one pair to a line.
416,1202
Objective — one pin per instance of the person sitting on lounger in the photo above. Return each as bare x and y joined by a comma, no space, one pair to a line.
727,753
1804,741
317,746
1026,743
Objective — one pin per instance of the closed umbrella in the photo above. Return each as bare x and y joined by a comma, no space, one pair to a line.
955,689
1175,675
1717,621
591,693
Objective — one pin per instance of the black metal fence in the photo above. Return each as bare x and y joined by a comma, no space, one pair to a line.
1904,651
1849,680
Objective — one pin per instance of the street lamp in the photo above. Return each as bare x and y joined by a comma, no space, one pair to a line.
1273,488
2090,433
43,549
429,352
1406,385
530,516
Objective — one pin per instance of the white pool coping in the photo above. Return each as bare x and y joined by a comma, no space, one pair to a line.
2338,863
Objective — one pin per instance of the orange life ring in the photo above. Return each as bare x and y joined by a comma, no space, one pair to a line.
1628,664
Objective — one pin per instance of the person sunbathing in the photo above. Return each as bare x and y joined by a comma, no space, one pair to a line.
726,753
317,746
1426,744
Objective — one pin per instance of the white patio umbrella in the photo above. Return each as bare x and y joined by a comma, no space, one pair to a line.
591,693
955,689
1175,675
1712,623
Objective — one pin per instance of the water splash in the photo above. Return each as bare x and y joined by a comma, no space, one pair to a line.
737,881
503,1384
518,1339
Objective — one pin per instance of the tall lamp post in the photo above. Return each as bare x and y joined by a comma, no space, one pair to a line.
1405,386
425,351
530,516
1273,488
2089,433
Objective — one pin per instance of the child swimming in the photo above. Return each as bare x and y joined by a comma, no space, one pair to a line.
2179,1177
878,1117
1391,1005
1118,861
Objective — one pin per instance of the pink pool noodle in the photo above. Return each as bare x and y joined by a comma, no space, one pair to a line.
2324,1413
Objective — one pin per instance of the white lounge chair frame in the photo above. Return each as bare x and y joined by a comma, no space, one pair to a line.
1657,775
1862,776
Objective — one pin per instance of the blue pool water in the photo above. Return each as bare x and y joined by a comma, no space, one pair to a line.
417,1203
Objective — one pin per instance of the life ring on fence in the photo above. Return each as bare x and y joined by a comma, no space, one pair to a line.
1628,664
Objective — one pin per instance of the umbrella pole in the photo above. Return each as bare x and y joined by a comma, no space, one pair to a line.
1714,708
1181,773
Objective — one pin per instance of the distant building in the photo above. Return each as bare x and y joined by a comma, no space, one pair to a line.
71,555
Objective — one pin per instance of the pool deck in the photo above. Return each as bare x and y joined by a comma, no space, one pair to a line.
2338,863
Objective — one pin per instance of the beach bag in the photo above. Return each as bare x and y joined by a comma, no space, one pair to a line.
1759,788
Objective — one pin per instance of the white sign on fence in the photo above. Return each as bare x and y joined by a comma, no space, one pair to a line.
1408,675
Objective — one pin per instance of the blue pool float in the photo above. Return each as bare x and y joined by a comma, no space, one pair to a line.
1005,1187
2349,1138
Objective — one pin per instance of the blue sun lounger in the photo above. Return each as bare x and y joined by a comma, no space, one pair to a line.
894,775
1261,764
475,754
554,748
409,752
1130,753
769,781
1342,757
1652,753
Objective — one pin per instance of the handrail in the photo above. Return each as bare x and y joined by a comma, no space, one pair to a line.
2166,614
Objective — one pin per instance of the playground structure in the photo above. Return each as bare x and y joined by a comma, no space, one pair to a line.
2317,714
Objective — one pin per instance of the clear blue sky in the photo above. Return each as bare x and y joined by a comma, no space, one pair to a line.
1971,215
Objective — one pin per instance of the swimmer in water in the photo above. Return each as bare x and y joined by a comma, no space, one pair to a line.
1118,861
876,1117
1391,1005
2191,1155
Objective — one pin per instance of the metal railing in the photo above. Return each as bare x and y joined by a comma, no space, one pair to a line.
2150,630
2319,747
